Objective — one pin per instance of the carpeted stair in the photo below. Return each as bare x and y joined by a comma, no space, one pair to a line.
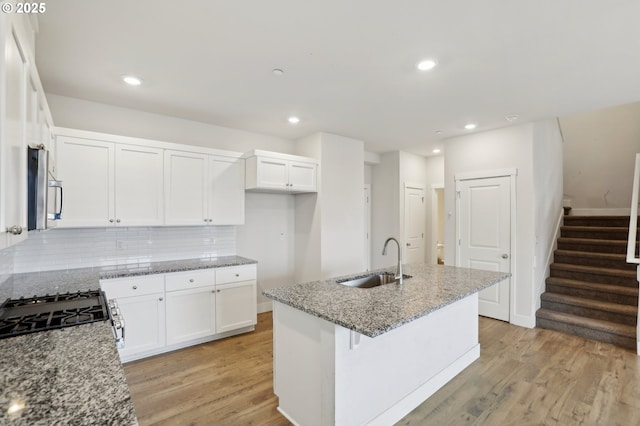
591,291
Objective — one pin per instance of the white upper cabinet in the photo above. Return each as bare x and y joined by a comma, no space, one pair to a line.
186,188
110,184
203,189
139,190
274,172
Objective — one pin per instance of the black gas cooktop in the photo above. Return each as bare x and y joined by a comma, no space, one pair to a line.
30,315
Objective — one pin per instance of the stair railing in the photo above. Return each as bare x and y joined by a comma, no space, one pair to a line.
633,236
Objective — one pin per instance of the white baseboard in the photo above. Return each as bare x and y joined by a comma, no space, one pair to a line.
600,212
528,321
265,307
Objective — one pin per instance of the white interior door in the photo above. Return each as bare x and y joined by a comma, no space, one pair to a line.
484,236
414,224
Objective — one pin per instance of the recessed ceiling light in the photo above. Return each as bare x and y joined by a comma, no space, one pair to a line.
436,151
131,80
427,64
470,126
294,120
278,72
438,132
511,118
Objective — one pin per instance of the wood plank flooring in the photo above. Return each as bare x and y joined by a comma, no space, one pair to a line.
523,377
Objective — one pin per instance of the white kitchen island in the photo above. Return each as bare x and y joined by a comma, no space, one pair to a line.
350,356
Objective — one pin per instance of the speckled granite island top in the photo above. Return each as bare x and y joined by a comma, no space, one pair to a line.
70,376
374,311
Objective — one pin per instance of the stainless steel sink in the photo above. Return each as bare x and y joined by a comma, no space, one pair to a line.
370,281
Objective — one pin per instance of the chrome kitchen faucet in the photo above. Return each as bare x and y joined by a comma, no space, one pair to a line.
399,268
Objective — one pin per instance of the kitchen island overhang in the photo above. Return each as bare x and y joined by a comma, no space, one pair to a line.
369,356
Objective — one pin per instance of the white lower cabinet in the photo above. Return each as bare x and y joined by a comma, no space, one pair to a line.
164,312
142,305
144,323
235,306
191,314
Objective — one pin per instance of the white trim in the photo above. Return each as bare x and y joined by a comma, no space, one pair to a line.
547,266
600,212
286,416
368,210
105,137
486,174
427,389
414,185
437,186
265,307
527,321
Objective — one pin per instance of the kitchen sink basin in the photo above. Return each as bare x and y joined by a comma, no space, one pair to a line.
370,281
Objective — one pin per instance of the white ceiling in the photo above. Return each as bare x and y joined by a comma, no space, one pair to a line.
349,64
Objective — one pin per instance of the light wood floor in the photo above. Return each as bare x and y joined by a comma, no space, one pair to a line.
523,377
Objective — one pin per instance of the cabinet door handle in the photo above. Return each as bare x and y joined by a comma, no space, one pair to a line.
111,220
217,291
190,280
135,287
117,220
160,299
237,275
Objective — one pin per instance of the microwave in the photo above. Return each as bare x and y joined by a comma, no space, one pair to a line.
44,196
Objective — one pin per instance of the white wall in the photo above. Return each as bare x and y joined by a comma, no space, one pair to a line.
85,115
385,215
547,187
499,149
332,222
267,236
308,222
599,151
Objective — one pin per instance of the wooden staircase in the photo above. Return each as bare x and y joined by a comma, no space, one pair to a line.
591,291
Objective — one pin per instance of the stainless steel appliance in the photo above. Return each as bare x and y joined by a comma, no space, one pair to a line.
44,197
42,313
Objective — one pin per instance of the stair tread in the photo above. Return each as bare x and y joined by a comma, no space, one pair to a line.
596,228
613,256
595,324
593,269
593,241
605,288
591,303
605,216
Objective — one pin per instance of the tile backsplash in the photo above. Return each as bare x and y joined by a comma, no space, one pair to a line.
57,249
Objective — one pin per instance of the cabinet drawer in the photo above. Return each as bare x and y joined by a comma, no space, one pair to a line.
190,279
236,274
133,286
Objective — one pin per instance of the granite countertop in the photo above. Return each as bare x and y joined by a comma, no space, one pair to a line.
73,280
73,376
69,376
377,310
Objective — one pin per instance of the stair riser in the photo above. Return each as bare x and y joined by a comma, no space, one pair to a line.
596,221
590,312
593,261
596,234
594,248
587,333
593,294
594,277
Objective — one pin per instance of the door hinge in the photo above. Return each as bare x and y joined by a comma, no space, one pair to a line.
458,194
423,235
422,200
459,242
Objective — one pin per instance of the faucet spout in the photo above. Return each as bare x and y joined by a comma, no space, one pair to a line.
399,266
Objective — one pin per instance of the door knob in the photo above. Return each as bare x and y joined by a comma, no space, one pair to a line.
505,256
408,244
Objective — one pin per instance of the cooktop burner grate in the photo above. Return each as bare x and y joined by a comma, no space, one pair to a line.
30,315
